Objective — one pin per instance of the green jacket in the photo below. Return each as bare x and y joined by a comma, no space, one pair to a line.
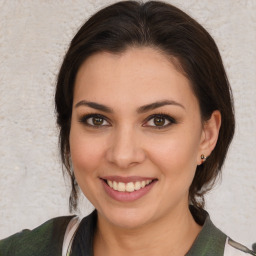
45,240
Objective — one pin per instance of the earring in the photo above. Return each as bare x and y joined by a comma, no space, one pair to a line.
203,158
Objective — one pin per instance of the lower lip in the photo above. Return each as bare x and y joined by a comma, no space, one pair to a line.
127,196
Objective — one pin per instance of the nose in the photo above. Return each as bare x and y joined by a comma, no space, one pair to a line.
125,149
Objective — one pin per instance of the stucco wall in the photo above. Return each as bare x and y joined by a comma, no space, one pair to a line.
34,35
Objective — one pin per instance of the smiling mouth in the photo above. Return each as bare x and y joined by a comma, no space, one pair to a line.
128,187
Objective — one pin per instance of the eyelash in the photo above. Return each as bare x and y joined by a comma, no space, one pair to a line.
84,120
167,117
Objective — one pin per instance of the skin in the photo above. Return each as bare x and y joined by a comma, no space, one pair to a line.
127,144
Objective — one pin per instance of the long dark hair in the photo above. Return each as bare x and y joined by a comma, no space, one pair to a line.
170,30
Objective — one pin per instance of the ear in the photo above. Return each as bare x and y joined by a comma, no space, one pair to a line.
209,137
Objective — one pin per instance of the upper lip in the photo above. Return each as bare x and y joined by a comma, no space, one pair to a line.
127,179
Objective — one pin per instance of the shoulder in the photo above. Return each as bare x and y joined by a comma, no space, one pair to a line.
233,248
46,239
212,241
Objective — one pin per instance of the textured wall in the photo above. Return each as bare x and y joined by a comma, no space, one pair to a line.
34,35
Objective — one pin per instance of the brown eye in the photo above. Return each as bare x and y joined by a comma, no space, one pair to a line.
159,121
97,121
94,120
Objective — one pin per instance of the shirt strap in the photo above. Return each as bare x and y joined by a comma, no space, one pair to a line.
69,235
233,248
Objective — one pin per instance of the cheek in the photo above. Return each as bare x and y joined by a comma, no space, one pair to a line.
176,156
175,151
86,155
86,152
176,163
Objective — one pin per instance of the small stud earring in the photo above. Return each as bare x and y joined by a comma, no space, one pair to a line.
203,158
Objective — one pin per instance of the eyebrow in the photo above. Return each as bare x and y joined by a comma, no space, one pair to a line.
94,105
158,104
140,110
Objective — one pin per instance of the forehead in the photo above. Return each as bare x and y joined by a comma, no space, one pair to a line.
143,74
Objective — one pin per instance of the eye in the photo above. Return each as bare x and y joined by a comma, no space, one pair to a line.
94,120
159,121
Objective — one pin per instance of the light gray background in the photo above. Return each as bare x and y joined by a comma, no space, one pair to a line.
34,36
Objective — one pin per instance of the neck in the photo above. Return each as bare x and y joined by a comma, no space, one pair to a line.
171,235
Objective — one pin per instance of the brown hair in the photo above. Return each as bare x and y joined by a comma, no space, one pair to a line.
167,28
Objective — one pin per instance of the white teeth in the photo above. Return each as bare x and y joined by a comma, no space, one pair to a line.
137,185
114,185
110,183
121,186
128,187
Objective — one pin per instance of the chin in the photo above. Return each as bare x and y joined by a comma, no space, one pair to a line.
127,218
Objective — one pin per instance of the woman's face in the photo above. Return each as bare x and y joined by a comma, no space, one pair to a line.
135,121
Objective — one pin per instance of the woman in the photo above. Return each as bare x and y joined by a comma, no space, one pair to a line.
146,118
